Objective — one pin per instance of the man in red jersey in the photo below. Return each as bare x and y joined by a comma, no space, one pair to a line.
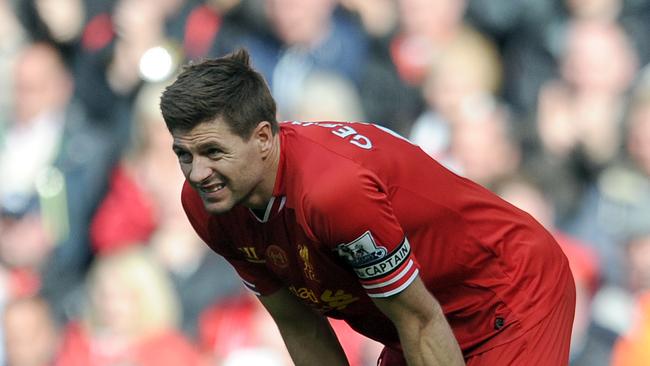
350,221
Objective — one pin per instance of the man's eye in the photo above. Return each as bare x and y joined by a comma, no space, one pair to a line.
214,153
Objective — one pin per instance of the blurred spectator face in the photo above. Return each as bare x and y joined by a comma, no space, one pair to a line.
430,17
466,68
639,137
158,137
154,166
592,9
158,165
64,18
481,144
130,295
42,83
300,22
528,198
586,108
426,28
114,301
157,9
169,7
598,57
30,334
176,247
379,17
639,263
24,242
327,96
138,20
449,87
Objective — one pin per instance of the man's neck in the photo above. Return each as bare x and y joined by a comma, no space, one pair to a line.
262,195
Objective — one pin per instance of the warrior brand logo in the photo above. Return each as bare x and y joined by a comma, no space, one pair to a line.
361,251
386,265
250,253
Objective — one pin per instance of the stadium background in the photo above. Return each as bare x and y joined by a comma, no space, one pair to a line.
547,103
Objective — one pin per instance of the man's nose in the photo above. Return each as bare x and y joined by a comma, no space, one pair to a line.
200,170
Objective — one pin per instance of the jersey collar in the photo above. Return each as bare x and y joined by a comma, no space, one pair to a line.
275,205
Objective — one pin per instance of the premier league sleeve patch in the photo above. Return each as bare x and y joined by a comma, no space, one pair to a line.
380,272
363,250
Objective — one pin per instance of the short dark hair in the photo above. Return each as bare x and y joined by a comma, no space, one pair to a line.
227,88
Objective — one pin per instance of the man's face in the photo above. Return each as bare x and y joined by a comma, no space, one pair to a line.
222,167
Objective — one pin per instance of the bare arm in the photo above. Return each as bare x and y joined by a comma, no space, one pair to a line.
424,333
307,335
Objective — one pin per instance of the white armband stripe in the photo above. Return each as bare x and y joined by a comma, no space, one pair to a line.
392,280
399,289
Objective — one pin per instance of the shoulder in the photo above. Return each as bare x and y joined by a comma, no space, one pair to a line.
327,170
339,186
344,204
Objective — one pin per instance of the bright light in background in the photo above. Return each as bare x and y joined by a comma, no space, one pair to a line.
156,64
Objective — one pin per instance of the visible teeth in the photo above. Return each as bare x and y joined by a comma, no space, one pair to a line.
212,189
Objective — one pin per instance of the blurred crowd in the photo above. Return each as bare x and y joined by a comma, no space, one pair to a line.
547,103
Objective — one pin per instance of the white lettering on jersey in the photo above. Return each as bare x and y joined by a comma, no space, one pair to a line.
319,124
361,141
343,131
357,139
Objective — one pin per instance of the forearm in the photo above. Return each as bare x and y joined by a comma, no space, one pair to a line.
312,343
424,333
430,342
307,335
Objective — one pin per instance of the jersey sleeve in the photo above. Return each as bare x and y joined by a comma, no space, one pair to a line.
255,276
352,214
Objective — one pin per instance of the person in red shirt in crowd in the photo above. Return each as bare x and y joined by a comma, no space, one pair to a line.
30,332
130,318
350,221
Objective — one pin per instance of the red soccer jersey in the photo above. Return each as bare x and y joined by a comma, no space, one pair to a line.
359,212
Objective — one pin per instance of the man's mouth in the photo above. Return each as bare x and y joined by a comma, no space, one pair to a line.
212,188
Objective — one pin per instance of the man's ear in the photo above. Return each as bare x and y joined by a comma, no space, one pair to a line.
263,137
